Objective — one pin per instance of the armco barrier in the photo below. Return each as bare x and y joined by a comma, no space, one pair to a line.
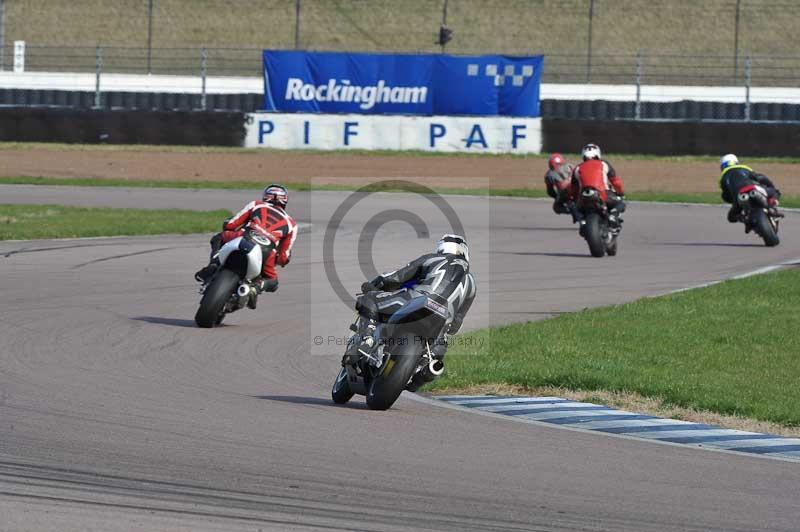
249,102
673,138
122,127
130,101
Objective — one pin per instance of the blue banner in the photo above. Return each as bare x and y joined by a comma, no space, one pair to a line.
415,84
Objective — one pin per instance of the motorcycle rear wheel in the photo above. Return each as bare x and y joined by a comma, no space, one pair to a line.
214,298
764,228
593,233
397,370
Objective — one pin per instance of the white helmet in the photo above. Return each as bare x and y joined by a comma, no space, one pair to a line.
728,160
453,245
591,151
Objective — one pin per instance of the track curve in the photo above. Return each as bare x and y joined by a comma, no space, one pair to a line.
116,413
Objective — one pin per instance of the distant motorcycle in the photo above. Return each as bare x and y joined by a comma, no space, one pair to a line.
758,215
229,289
404,359
599,226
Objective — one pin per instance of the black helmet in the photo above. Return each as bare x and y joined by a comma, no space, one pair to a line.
276,195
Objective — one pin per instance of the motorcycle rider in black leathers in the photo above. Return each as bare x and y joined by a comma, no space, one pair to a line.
443,274
734,177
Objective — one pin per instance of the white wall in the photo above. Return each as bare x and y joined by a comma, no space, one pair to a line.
395,132
71,81
230,85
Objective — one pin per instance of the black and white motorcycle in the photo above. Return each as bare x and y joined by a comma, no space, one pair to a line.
404,358
230,288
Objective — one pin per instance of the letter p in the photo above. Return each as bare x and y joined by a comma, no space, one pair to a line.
437,131
265,127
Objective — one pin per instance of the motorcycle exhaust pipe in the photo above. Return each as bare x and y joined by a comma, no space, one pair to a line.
243,290
436,367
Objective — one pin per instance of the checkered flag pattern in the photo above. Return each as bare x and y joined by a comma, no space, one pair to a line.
508,72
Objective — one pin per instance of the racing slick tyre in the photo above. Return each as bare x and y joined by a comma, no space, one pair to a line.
341,393
395,373
763,227
593,232
212,304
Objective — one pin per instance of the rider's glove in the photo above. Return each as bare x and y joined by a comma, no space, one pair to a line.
373,285
366,287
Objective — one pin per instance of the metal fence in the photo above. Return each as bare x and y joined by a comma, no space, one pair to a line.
650,68
734,58
583,32
650,81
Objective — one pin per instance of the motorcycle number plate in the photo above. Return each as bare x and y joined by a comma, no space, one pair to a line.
437,308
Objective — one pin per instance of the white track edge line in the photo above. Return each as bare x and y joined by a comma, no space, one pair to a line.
443,404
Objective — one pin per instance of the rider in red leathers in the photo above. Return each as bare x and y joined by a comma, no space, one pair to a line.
597,173
268,219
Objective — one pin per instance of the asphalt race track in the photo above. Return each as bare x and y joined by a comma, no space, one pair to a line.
117,413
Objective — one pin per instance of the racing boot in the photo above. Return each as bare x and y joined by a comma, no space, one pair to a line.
368,347
260,284
615,220
733,214
362,343
205,274
772,204
573,210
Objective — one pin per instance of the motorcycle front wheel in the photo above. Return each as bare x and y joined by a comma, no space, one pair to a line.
341,392
214,298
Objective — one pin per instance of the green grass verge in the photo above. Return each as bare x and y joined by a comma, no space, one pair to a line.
730,348
27,222
712,160
699,197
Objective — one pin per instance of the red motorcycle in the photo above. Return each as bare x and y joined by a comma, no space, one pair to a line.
759,213
599,226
